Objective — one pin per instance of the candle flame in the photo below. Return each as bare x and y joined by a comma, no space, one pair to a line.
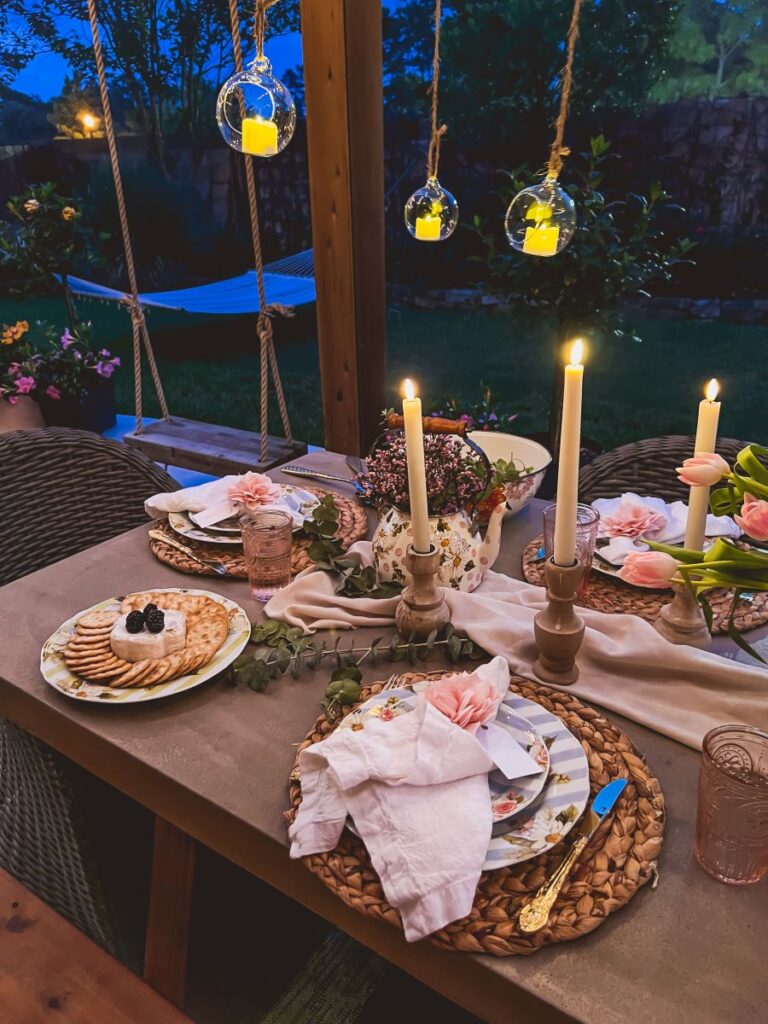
577,352
408,389
89,121
712,389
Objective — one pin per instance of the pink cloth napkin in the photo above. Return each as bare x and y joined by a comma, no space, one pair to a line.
625,664
412,785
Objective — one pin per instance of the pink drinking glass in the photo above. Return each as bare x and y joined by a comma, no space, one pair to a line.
732,823
587,521
267,544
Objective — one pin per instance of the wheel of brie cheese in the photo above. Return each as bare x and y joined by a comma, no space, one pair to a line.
138,646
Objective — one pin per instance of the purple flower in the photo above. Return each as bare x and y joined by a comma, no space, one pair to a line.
106,369
67,339
105,353
53,392
25,384
14,370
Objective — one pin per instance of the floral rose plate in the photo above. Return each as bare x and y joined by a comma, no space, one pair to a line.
507,797
61,678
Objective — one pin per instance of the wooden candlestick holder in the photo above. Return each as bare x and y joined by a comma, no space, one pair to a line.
422,606
558,629
682,620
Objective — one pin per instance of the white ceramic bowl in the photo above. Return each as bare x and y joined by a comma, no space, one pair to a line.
526,453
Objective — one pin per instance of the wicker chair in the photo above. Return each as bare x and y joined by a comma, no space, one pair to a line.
645,467
60,491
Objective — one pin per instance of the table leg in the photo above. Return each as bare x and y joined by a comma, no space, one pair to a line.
170,903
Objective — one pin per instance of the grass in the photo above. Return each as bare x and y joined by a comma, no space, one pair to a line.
209,366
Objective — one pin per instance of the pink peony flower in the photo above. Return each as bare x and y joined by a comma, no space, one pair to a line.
25,384
703,470
754,518
253,490
633,519
648,569
53,392
466,700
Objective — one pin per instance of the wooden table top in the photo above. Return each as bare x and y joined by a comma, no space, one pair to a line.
215,762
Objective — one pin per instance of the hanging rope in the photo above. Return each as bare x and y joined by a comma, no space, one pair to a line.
260,24
558,151
140,333
267,355
433,154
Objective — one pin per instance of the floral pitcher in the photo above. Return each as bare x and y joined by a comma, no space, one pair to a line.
464,554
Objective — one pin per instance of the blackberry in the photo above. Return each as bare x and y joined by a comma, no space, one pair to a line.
149,608
134,622
156,621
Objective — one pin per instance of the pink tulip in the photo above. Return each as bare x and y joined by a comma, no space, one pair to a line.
704,470
465,699
754,518
648,569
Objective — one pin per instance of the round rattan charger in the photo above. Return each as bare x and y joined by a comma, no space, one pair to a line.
353,526
621,858
606,594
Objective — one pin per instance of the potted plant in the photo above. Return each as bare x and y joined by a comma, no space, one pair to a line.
622,244
56,378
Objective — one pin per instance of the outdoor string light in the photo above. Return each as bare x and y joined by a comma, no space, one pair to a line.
541,220
432,213
255,112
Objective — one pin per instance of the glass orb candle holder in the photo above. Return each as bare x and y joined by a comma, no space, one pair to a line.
432,213
255,112
541,219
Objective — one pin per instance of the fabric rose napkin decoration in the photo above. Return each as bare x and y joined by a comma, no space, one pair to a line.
217,500
416,787
626,519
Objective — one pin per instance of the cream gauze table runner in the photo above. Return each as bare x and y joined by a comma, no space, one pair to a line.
625,665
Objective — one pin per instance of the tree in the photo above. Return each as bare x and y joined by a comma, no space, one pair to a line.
718,48
502,62
77,112
622,244
15,50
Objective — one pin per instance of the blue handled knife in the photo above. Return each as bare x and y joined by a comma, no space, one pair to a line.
535,914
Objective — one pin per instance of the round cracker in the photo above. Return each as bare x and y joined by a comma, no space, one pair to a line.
98,619
132,675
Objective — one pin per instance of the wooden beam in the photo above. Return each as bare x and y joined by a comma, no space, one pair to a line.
170,903
345,138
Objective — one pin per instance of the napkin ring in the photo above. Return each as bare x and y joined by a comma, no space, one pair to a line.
682,620
557,628
422,607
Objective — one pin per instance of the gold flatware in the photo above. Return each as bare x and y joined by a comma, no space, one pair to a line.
161,538
535,914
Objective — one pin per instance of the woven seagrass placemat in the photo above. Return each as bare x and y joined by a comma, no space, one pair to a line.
353,526
606,594
620,859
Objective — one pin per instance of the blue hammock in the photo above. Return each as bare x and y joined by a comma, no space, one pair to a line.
289,281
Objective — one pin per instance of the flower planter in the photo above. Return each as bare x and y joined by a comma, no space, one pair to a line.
96,412
23,414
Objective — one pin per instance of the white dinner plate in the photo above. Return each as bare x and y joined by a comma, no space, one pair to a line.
61,678
182,524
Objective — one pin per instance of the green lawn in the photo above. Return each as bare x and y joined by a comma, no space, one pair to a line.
209,368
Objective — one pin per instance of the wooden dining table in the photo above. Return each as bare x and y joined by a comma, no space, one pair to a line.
213,763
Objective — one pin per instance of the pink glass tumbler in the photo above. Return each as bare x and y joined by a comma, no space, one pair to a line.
732,823
267,544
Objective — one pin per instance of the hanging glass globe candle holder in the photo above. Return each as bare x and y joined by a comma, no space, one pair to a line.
255,112
541,219
432,213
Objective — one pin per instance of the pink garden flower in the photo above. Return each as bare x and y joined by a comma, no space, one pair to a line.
66,339
107,367
633,519
648,569
467,700
53,392
754,518
704,470
253,490
25,384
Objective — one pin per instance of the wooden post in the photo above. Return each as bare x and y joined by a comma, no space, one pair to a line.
345,139
170,903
